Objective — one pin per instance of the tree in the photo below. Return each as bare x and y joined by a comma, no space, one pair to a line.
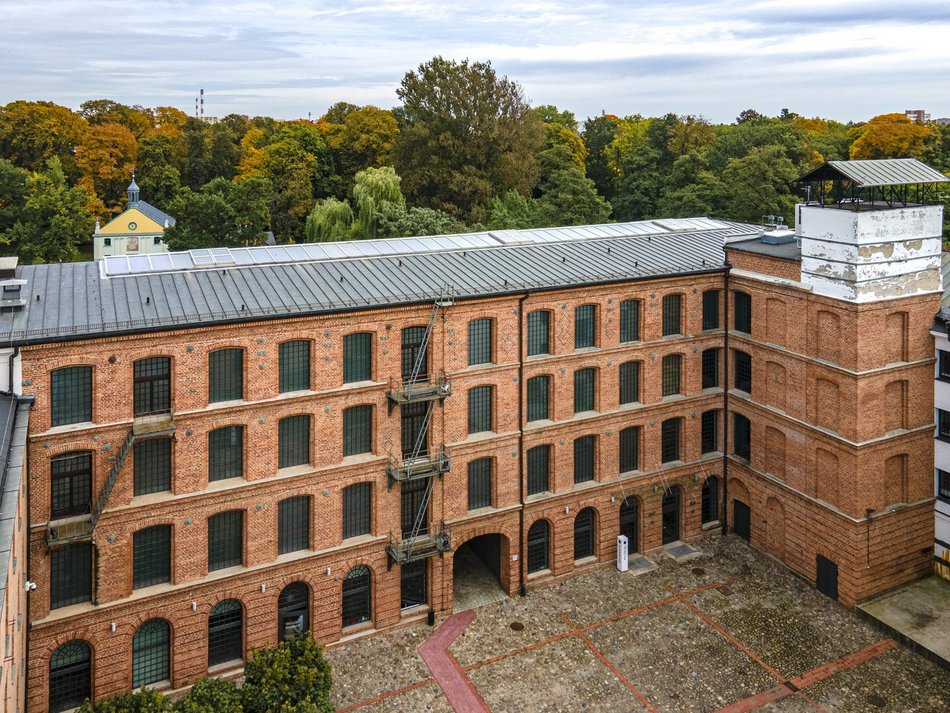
144,700
469,136
337,113
376,194
365,139
156,172
105,111
889,136
13,191
568,197
54,219
222,214
293,677
211,695
33,132
512,211
758,184
330,220
404,223
550,114
105,158
599,134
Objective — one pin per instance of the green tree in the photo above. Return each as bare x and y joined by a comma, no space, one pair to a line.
33,132
156,171
137,120
513,211
469,136
404,223
759,184
294,677
550,114
54,219
202,220
291,170
211,695
889,136
376,194
337,113
330,220
365,139
105,158
144,700
14,183
568,197
599,134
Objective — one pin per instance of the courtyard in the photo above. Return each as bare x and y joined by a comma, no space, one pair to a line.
731,630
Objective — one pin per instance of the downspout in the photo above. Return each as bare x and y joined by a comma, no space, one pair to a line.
725,404
12,369
521,456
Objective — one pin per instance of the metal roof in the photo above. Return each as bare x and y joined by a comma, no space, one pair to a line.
92,299
159,216
876,172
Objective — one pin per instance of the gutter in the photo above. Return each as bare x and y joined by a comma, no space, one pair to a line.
725,402
522,589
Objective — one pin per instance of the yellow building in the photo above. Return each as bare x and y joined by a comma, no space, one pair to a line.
138,230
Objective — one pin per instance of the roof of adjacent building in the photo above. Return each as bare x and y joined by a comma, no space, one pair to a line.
784,249
156,214
179,290
876,172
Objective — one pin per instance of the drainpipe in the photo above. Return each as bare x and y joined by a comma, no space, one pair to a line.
725,404
522,590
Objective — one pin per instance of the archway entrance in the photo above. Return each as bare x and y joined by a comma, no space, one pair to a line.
476,572
630,523
671,515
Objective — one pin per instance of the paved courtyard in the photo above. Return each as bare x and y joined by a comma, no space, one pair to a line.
729,631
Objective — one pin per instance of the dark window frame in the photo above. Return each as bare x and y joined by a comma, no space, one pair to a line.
411,340
630,372
629,455
357,605
585,534
358,430
585,459
943,485
711,299
539,546
226,540
585,326
70,484
671,375
539,469
152,466
414,584
672,318
481,341
290,451
151,652
481,416
225,453
539,398
357,357
710,368
630,311
357,510
943,365
223,383
225,632
539,332
671,434
70,675
709,431
71,395
480,483
70,575
151,385
151,556
943,424
710,500
585,390
742,371
294,365
742,312
741,436
293,524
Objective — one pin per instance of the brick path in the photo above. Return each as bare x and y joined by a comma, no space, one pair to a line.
445,669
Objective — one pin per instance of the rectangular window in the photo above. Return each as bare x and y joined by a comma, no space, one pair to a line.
743,366
710,368
293,359
671,374
152,465
357,430
480,409
711,309
943,424
479,483
585,326
357,509
151,386
71,484
584,450
630,321
479,341
741,436
70,575
943,485
539,325
630,449
151,556
413,587
293,441
539,469
538,390
670,440
710,431
584,390
226,453
293,524
672,306
943,364
743,312
225,540
629,382
226,375
71,397
415,354
357,357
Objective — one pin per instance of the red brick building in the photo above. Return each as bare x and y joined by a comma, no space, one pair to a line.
229,445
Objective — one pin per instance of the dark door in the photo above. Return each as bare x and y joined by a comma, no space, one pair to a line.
414,430
630,523
671,516
413,353
743,518
293,611
827,577
413,494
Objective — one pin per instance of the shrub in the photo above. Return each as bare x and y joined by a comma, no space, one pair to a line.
211,695
294,677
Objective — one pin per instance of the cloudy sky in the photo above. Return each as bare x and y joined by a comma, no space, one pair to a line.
844,59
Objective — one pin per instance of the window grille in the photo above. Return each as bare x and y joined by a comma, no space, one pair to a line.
152,465
585,326
479,341
710,368
412,421
151,653
151,385
70,676
293,524
71,484
584,390
480,409
741,435
584,448
412,498
357,510
743,367
226,453
710,499
672,308
226,633
630,321
743,312
225,540
357,430
151,556
479,483
226,375
710,431
538,390
539,467
357,596
671,374
584,534
538,546
711,309
412,338
357,357
670,440
944,363
293,441
539,326
70,575
630,449
71,396
629,382
414,590
293,611
293,360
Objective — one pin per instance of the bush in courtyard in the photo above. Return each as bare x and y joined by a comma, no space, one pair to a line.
294,677
144,700
211,695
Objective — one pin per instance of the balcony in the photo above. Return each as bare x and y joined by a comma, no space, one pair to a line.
68,530
421,547
421,390
425,466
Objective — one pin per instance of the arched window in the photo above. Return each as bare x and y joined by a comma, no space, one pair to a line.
226,632
711,499
538,545
151,653
357,591
70,681
293,611
584,533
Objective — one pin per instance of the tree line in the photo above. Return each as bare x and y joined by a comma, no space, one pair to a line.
464,150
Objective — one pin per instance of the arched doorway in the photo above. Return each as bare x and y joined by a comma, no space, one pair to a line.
671,515
293,611
476,572
630,523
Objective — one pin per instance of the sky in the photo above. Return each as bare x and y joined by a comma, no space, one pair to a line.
842,59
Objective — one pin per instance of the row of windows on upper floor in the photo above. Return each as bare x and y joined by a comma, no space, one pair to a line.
71,387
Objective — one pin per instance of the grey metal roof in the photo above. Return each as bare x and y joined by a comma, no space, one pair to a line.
785,251
152,212
876,172
87,299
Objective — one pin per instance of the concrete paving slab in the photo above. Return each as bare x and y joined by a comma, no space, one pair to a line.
919,611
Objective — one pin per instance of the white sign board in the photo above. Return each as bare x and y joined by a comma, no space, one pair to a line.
622,545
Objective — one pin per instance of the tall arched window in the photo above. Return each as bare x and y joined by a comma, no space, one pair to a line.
151,653
711,499
226,632
357,596
70,680
539,536
293,611
584,533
